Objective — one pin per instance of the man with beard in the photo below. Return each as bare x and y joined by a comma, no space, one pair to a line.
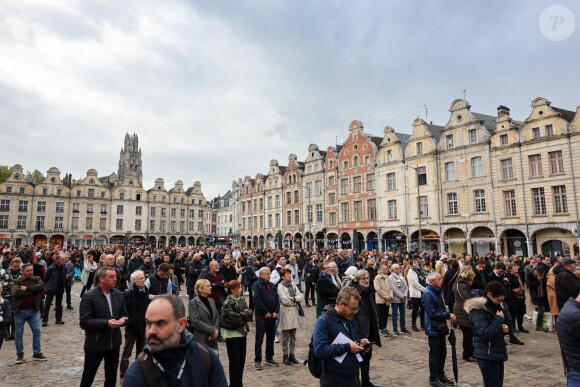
171,357
102,314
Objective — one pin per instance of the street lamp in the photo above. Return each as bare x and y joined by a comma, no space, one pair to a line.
418,206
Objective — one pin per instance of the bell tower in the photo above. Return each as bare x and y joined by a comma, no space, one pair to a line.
130,158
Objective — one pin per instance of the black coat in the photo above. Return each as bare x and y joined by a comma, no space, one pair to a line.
533,285
487,329
567,285
365,319
265,300
569,334
136,303
52,278
327,290
309,269
449,279
94,316
194,269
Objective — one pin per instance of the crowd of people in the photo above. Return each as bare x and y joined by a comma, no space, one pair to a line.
231,291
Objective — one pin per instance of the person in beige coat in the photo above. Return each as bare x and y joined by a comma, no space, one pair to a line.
383,298
290,296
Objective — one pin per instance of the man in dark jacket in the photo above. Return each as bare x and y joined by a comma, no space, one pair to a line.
481,273
309,270
212,274
327,287
159,282
448,281
434,310
569,338
25,306
70,275
267,307
228,270
539,294
55,279
365,321
102,314
193,270
499,275
136,302
567,284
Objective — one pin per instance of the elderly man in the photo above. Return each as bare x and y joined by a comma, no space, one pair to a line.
192,272
328,286
213,275
267,308
567,284
109,261
136,302
436,329
170,348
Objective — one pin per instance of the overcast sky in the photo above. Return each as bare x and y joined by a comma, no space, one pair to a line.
216,89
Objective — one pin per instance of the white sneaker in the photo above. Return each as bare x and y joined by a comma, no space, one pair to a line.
527,317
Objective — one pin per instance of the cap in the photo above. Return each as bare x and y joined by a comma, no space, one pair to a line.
444,256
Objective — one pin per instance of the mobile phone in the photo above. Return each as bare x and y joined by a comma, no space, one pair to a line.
368,345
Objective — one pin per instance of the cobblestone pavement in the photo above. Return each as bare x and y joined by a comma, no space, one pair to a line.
402,361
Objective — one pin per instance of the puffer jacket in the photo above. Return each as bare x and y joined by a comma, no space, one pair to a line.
487,329
237,313
568,328
433,308
383,289
462,290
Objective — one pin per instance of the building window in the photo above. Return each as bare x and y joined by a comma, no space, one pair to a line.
261,201
391,181
289,218
269,202
296,196
21,222
355,162
372,209
331,219
152,211
449,139
392,209
549,131
152,225
39,223
163,199
297,217
182,212
78,194
60,207
419,148
76,207
452,203
277,201
536,133
119,224
22,190
318,186
22,206
4,221
58,223
539,199
138,210
102,195
119,210
330,180
389,156
371,182
122,195
556,162
173,212
331,198
479,195
277,220
162,225
269,220
103,223
345,164
367,160
91,192
309,213
58,192
41,207
560,202
472,136
288,197
503,139
192,214
319,213
423,206
45,191
90,208
450,171
509,198
356,184
200,214
535,165
330,163
103,208
5,205
358,211
200,227
181,226
507,171
343,186
309,189
476,167
422,176
344,209
8,189
164,212
173,225
89,224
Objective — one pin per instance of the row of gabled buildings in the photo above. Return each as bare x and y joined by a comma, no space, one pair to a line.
479,183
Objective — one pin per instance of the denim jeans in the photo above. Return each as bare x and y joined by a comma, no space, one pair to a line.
398,308
541,310
30,316
492,372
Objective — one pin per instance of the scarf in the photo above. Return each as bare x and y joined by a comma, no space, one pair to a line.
420,273
290,287
399,279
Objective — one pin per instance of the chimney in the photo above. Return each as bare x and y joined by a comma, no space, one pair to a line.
503,111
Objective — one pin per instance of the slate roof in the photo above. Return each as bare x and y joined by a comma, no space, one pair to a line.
435,130
404,138
565,114
488,121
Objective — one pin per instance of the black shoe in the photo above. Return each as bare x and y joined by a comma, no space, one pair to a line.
221,339
69,307
436,383
9,338
293,359
272,363
307,305
367,384
60,322
395,332
415,328
446,381
470,359
515,340
44,324
406,331
286,361
524,330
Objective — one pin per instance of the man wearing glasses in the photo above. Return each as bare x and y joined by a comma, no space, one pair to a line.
336,320
328,286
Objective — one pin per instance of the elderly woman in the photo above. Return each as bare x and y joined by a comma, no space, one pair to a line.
203,316
290,296
236,313
383,298
462,290
348,275
293,266
399,285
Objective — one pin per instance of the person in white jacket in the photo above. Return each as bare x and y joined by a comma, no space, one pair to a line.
399,285
415,277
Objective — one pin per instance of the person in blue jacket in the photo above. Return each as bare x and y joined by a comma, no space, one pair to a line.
435,313
487,320
337,319
569,338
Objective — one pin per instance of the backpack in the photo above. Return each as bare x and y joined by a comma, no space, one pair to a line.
315,363
152,373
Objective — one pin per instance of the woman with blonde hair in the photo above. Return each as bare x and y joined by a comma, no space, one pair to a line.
203,316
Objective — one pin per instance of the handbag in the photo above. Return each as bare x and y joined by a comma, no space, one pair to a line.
441,327
226,324
517,292
300,310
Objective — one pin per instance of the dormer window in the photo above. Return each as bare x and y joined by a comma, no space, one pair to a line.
419,148
122,195
449,139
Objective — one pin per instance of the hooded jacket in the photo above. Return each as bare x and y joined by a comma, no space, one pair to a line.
567,285
487,329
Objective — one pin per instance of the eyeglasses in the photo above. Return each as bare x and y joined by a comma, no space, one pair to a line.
353,310
365,278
